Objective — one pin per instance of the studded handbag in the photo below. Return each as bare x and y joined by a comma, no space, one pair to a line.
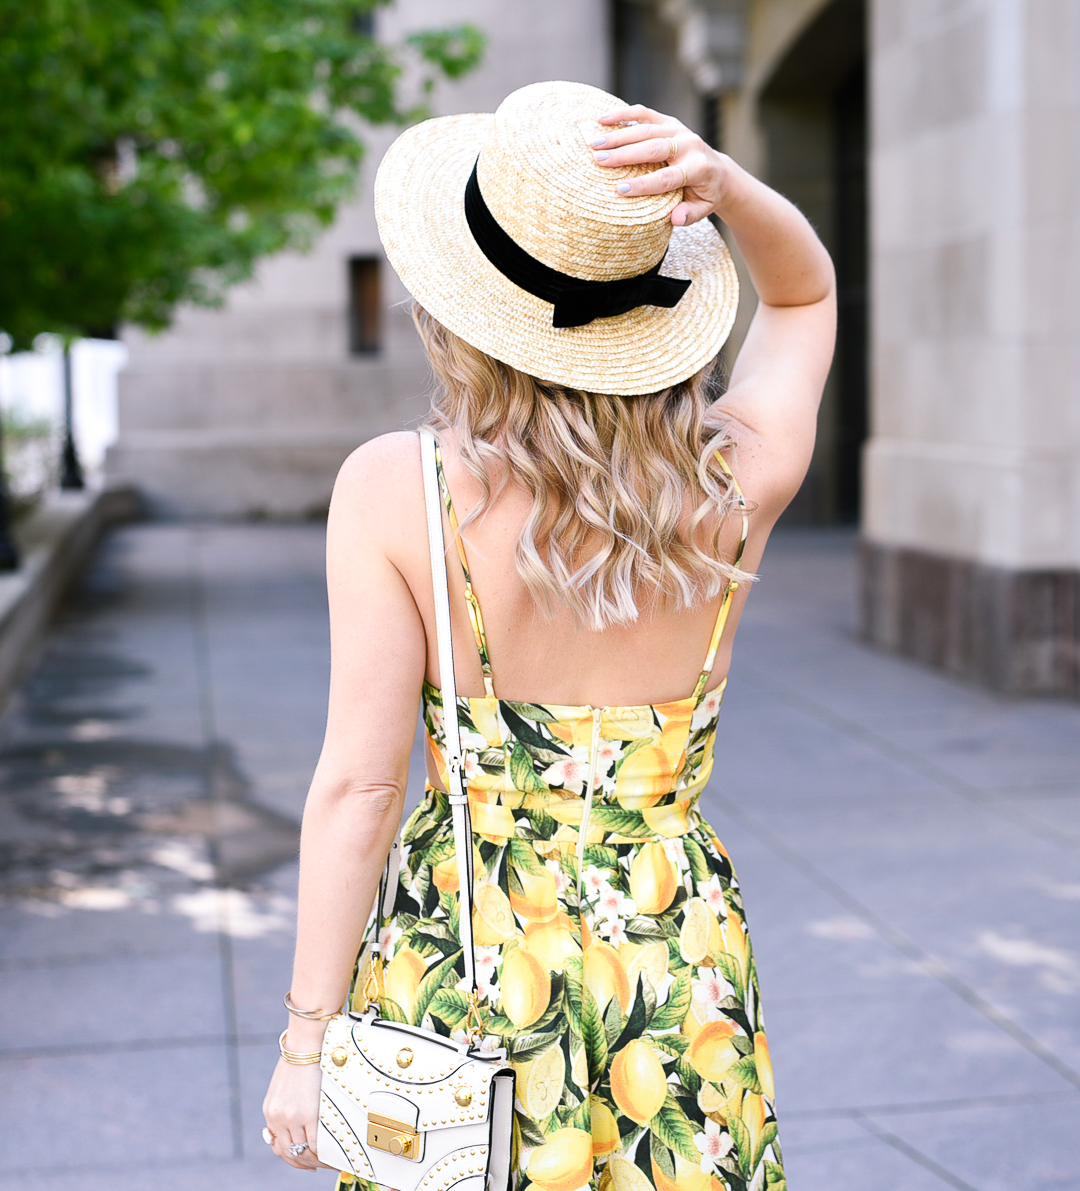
402,1106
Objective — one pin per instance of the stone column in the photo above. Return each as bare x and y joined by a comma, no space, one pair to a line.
971,551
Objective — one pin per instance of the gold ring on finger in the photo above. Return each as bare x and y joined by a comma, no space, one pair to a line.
674,149
684,178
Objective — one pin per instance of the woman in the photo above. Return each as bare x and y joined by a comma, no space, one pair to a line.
610,505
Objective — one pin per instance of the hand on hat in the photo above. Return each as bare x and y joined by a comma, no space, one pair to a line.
692,164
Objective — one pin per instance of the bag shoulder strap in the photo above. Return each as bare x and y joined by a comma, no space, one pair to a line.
459,799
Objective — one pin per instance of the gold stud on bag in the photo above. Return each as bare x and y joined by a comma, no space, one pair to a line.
400,1105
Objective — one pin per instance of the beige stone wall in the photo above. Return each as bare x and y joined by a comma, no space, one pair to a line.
250,410
975,453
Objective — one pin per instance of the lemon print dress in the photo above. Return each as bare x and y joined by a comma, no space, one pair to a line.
611,950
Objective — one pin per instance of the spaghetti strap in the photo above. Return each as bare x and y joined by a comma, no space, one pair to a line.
473,604
729,591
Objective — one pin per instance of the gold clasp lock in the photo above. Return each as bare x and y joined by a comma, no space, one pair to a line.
393,1137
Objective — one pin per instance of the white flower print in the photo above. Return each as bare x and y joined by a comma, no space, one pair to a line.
709,989
713,1145
571,772
471,767
593,879
487,960
614,930
388,940
438,718
614,904
472,742
712,894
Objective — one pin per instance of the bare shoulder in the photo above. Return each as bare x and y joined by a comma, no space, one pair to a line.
379,468
378,495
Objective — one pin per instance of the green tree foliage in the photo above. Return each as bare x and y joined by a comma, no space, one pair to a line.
152,150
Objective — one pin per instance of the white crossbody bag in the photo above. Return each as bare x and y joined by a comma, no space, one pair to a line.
402,1106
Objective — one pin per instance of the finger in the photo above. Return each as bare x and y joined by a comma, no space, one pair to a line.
690,211
636,111
286,1138
617,137
644,153
658,182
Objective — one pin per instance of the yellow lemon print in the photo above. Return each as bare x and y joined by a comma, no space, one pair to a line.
402,978
691,1023
542,1083
712,1051
644,777
536,898
605,976
604,1128
651,960
564,1162
525,986
711,1100
753,1116
764,1065
638,1082
493,919
695,930
552,942
625,1176
653,879
688,1176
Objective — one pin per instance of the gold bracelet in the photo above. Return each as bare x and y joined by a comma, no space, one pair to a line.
291,1056
308,1014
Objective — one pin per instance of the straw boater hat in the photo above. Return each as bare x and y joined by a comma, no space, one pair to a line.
505,229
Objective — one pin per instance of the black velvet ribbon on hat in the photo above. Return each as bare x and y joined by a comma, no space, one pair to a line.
576,302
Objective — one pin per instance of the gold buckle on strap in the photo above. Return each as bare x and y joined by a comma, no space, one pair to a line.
393,1137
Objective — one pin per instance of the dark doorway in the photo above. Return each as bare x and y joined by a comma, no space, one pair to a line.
814,117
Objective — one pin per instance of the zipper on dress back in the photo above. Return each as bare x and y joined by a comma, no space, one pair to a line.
590,781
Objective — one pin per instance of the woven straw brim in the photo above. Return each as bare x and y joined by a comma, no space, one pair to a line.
419,205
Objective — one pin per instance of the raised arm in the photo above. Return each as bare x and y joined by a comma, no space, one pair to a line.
780,372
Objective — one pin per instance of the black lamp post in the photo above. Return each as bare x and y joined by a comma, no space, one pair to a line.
9,552
71,472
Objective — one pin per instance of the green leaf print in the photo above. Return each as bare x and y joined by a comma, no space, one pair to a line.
741,1136
729,965
432,943
699,865
637,1019
768,1134
579,1118
526,734
594,1037
572,999
527,1132
774,1177
430,985
614,818
674,1129
662,1156
689,1077
391,1010
613,1022
523,855
745,1072
601,856
531,711
673,1011
673,1045
449,1005
640,927
525,776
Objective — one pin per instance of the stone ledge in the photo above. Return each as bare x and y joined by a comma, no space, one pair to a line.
1015,631
57,541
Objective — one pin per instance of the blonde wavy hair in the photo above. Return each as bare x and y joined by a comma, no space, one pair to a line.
608,534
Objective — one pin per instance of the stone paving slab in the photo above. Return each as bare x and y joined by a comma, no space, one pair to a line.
907,846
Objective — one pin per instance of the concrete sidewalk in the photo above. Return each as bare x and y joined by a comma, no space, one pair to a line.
908,847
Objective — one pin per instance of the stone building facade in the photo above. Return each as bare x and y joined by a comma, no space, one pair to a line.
935,146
